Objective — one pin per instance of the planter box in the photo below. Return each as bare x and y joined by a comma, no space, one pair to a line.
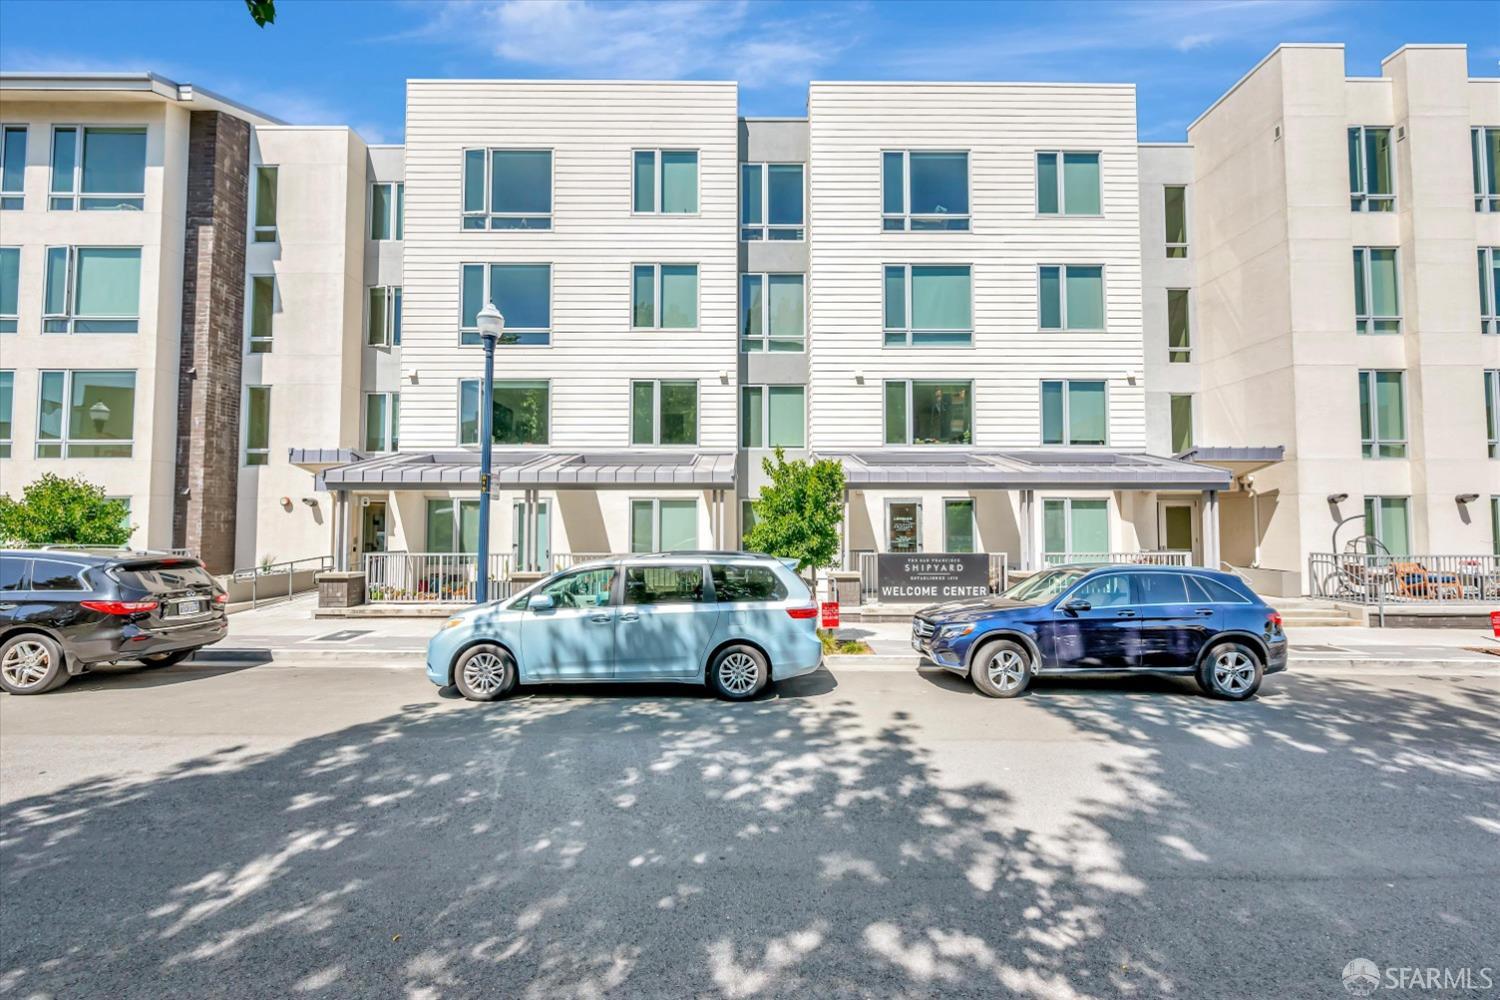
341,590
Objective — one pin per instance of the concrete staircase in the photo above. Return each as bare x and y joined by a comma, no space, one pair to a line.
1304,612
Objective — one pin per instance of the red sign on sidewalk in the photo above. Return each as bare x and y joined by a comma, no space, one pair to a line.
830,616
1495,623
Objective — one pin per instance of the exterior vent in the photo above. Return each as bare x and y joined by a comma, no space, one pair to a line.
1276,132
1400,133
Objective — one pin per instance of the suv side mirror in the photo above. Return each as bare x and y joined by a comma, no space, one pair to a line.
1076,604
541,602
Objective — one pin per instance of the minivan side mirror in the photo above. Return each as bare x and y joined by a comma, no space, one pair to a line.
1076,604
540,602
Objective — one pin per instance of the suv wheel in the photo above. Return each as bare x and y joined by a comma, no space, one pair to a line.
1231,670
32,664
484,673
738,673
1001,669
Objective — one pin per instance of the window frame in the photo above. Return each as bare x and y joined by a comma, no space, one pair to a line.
906,215
1360,198
1068,549
909,332
11,322
764,388
765,338
487,214
1489,290
1166,223
910,383
1067,399
657,180
75,195
9,413
1192,420
390,333
1492,409
479,413
656,394
396,220
247,453
390,432
71,318
1062,187
539,337
456,505
1375,520
1371,447
655,502
656,286
973,523
14,199
1180,355
1485,200
65,441
1062,303
251,340
764,227
1367,324
265,233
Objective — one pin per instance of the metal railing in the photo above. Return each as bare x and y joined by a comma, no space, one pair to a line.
263,582
1363,578
1163,557
432,577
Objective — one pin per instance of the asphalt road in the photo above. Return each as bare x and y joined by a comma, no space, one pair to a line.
344,831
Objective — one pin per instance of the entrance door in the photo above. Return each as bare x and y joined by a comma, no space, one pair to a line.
372,533
1177,528
903,526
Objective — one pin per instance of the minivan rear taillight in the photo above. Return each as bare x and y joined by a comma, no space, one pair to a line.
804,612
119,607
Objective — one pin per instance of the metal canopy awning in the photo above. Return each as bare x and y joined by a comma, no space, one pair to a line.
1027,469
1238,461
459,469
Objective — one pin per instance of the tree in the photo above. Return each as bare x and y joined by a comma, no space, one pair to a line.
263,12
800,513
57,511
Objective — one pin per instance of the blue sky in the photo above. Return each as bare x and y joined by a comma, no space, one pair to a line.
344,61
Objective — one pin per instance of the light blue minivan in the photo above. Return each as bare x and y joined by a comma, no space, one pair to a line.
732,620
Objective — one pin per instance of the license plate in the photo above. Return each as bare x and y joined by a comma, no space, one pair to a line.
189,607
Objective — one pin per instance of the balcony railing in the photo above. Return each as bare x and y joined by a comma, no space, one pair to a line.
432,577
1413,579
1162,557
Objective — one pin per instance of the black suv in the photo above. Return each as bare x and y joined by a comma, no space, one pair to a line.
64,611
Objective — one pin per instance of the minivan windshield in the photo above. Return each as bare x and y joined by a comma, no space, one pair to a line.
1042,587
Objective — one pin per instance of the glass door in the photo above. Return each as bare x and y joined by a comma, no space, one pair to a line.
372,526
903,526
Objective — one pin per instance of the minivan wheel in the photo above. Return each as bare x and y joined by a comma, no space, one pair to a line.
1001,669
32,664
484,673
1231,670
738,673
167,659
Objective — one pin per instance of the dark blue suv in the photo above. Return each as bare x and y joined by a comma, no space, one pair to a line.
1109,619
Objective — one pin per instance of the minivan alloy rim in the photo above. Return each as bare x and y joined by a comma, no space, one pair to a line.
1233,671
26,663
737,673
1007,670
484,672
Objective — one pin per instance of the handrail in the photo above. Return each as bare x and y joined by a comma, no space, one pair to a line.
255,574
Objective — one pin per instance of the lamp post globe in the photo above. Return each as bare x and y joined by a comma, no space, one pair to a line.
491,329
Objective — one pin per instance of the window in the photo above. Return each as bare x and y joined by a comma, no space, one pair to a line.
92,290
1377,305
257,424
664,297
12,168
1182,423
522,293
103,169
1073,528
1489,290
747,519
1371,188
928,304
1494,524
773,312
387,211
664,585
520,554
265,204
48,574
1485,146
1161,588
741,582
382,421
664,413
262,312
7,407
1071,190
1492,409
507,189
1382,413
663,525
924,190
85,414
383,322
1075,412
958,526
773,416
771,201
1176,212
1072,297
520,413
1213,591
1179,332
1388,520
587,588
664,182
452,525
10,288
13,572
929,413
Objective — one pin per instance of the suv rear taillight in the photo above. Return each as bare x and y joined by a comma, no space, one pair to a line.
120,607
1275,621
804,612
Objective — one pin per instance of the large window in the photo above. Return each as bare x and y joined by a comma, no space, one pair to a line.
1175,206
1492,409
257,424
1182,422
522,293
929,412
924,190
664,297
98,169
773,416
262,313
1485,147
1075,412
1382,414
773,312
1073,528
507,189
92,290
1179,327
928,304
664,181
265,204
12,168
85,414
1377,299
383,317
958,526
663,413
1388,519
1067,183
1371,186
521,554
521,412
452,525
382,421
7,407
771,201
1071,297
663,525
1489,290
387,211
10,288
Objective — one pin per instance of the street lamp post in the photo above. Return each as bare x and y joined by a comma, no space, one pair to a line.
491,329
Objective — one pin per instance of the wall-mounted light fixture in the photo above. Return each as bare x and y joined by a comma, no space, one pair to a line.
1337,498
310,501
1465,499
